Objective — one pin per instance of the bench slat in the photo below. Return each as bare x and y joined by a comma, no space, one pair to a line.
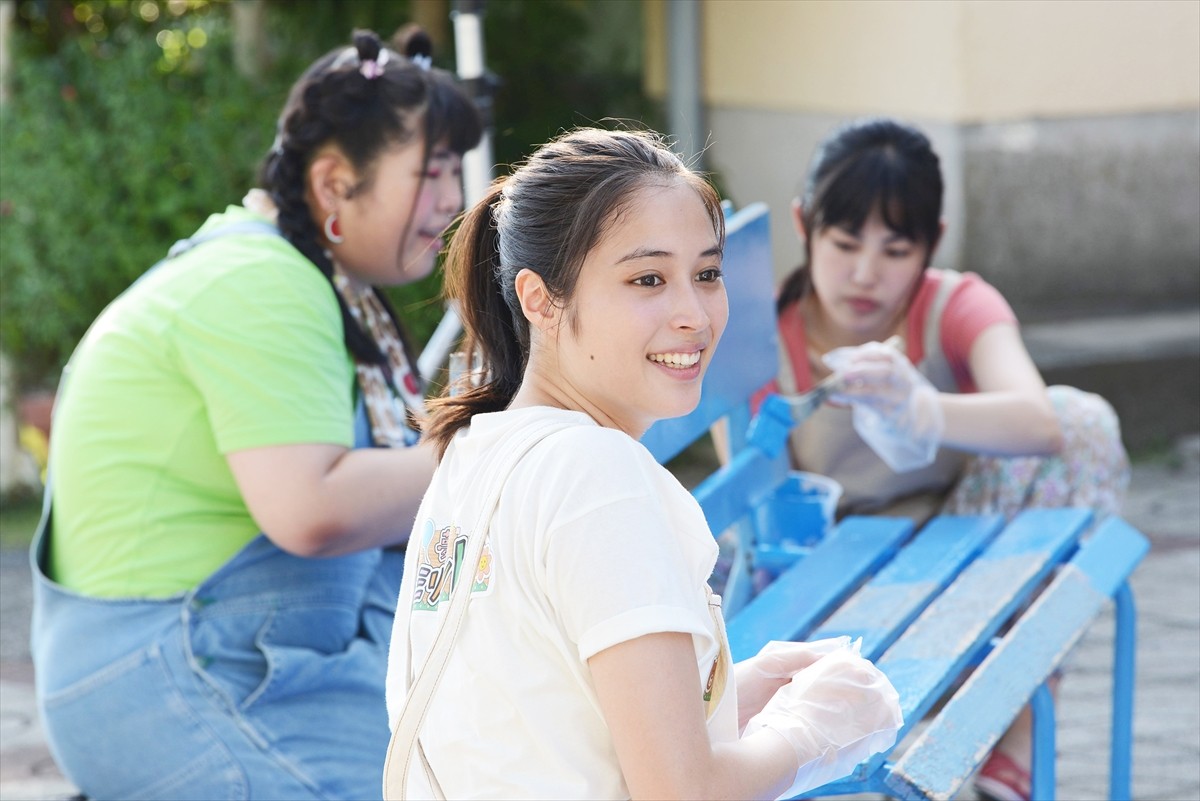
945,755
805,593
939,645
926,660
889,602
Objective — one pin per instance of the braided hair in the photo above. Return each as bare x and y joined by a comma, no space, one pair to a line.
335,102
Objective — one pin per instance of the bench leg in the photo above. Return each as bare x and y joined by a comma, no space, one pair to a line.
1124,659
1044,745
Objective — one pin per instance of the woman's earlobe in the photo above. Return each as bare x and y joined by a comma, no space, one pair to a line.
798,219
536,303
327,181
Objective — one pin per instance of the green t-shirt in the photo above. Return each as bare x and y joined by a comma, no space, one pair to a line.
235,344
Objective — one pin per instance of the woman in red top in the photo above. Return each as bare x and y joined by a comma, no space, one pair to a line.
957,415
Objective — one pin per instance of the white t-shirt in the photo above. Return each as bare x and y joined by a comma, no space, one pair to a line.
593,544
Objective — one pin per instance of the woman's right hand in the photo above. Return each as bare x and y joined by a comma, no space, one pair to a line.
897,411
833,714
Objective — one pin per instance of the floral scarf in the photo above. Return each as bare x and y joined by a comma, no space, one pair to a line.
388,402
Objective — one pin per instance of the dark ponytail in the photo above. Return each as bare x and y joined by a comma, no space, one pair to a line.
495,335
335,102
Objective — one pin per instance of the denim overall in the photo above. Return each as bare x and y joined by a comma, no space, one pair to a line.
265,681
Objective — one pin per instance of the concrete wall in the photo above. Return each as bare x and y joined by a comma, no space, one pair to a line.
1074,216
1069,132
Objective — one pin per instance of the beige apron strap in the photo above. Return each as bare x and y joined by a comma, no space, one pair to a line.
420,692
936,367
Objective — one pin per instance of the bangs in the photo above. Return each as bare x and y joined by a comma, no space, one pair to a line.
879,180
451,116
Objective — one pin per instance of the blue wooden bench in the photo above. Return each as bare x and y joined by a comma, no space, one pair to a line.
928,604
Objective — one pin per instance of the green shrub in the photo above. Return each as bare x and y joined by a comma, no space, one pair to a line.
106,161
121,136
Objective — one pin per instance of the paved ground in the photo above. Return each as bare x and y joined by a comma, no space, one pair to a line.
1164,503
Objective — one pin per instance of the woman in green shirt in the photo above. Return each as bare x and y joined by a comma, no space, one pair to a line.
242,409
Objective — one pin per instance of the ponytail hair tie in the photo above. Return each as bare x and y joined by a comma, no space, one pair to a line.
373,68
422,61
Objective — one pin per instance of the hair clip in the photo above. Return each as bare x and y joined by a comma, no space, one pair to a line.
422,61
373,68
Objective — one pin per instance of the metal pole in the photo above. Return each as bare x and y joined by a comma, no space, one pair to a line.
684,113
477,164
468,46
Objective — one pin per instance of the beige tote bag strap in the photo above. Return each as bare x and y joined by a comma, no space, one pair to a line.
420,692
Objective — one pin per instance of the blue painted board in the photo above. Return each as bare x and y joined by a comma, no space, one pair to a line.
738,488
940,643
897,594
950,749
804,594
927,658
746,358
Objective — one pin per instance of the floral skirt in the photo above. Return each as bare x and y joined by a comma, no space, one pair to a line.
1092,471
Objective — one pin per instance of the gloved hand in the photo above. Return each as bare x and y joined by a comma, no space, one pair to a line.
895,409
762,675
834,714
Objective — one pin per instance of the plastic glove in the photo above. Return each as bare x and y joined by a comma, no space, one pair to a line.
895,409
834,714
760,677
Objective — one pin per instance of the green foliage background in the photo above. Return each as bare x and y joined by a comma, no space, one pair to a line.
122,134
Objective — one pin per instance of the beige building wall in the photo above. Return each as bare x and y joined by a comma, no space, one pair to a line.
1069,130
950,60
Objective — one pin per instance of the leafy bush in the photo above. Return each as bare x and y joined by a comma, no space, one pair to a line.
106,161
124,130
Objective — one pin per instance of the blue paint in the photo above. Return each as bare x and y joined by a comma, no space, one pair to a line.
982,709
889,603
796,601
1120,779
945,543
1033,529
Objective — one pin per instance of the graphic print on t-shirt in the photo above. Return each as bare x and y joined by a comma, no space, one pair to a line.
439,559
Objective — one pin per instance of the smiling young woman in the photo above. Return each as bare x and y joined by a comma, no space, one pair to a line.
592,660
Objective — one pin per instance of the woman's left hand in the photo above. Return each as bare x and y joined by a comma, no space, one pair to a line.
760,677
